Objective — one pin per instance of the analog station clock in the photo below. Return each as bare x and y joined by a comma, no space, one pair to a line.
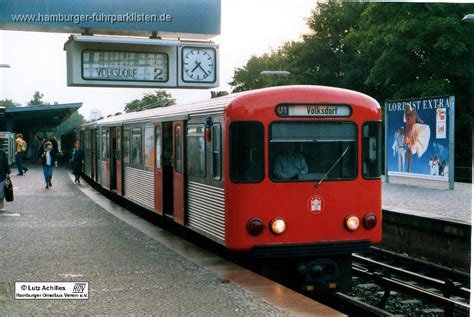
199,64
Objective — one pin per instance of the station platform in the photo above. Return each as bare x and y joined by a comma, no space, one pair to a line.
428,198
71,233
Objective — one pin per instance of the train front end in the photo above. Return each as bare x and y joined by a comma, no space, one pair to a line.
304,178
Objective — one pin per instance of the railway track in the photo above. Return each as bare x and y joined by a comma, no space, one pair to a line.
387,284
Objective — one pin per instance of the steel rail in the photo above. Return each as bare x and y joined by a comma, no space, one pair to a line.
454,274
447,287
359,306
446,303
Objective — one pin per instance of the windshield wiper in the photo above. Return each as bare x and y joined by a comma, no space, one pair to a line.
332,167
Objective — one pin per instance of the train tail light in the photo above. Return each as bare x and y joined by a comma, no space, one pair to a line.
369,221
352,222
255,227
278,226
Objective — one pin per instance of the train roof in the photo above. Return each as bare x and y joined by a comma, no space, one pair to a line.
183,111
172,112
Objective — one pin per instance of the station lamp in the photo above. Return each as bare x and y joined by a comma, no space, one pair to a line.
468,18
274,74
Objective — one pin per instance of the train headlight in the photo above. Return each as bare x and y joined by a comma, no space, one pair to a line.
369,221
255,226
278,226
352,222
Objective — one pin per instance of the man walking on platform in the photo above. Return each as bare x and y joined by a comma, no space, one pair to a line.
48,160
20,151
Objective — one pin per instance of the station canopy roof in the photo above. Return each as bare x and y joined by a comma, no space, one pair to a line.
38,117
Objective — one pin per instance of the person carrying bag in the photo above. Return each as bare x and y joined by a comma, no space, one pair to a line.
4,179
8,189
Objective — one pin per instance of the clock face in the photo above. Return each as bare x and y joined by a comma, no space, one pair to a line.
199,64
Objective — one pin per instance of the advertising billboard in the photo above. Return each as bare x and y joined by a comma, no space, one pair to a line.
420,137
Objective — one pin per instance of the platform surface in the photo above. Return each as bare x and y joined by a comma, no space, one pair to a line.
72,233
426,197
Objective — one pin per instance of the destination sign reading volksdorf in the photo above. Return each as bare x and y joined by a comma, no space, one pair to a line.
98,61
311,110
124,66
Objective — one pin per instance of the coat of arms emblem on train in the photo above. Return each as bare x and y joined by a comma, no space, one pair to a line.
315,204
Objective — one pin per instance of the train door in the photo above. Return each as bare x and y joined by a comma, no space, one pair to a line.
92,152
158,169
167,197
97,156
178,172
105,158
118,161
113,159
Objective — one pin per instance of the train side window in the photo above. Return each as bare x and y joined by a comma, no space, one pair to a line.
246,152
216,151
97,143
178,154
196,146
137,146
126,146
158,147
105,144
149,153
372,149
86,139
119,144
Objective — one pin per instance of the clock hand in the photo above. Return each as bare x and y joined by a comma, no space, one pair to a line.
195,67
204,71
198,64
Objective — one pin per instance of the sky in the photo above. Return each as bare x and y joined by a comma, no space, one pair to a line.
248,27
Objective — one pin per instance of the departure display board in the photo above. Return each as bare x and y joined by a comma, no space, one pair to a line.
124,66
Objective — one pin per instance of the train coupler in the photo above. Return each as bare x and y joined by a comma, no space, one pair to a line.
321,276
326,275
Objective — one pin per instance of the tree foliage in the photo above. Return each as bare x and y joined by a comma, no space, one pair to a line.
386,50
8,103
160,98
37,99
75,120
248,77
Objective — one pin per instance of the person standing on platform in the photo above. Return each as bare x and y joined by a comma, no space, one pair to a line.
19,153
77,160
4,174
48,159
35,146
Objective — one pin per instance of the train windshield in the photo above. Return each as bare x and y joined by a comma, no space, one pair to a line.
306,151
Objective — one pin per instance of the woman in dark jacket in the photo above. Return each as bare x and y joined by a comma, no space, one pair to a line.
4,174
48,160
77,161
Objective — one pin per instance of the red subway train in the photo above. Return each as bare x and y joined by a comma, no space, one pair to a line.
290,172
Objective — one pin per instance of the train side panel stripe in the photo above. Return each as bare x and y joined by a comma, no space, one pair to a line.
206,210
139,185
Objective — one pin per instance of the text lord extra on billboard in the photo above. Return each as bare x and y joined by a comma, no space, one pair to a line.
417,137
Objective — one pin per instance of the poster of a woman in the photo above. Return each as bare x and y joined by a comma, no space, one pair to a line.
417,135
